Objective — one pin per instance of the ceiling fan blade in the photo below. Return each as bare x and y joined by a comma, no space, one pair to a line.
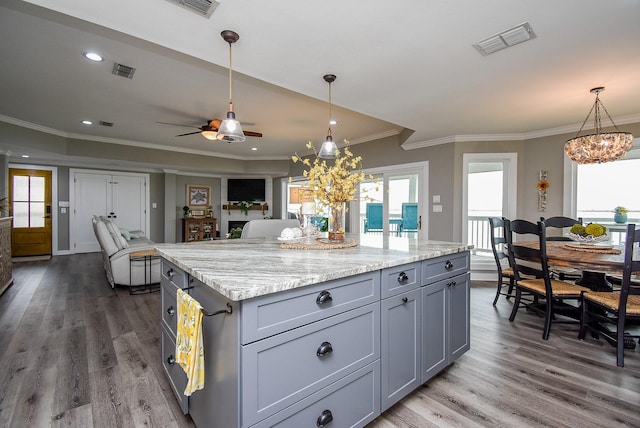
188,133
252,134
178,124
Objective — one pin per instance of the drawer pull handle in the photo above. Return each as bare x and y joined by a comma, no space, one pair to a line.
324,297
171,310
324,419
170,273
402,277
405,299
324,349
171,360
448,265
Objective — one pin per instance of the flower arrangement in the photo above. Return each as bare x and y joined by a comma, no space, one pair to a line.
244,206
234,233
620,210
334,185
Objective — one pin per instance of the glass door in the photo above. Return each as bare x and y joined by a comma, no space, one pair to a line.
391,202
489,191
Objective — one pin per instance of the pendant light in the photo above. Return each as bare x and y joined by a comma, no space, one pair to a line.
598,147
230,129
329,147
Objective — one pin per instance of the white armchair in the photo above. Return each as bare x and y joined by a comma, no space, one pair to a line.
115,248
266,228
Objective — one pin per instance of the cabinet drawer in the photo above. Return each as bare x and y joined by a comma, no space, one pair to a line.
177,377
269,315
169,309
174,274
281,370
336,402
400,279
444,267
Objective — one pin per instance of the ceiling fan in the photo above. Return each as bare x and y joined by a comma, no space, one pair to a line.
209,130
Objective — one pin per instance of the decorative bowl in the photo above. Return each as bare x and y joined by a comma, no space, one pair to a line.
589,239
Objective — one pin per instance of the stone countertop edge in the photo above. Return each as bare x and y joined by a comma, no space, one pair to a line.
241,269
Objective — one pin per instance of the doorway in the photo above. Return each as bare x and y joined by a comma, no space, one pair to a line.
391,203
30,205
489,190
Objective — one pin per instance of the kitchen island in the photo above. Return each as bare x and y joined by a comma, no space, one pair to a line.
315,337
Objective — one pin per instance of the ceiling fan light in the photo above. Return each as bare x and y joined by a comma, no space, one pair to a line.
230,130
210,135
328,149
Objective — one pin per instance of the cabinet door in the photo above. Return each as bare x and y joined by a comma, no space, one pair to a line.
434,333
400,346
459,322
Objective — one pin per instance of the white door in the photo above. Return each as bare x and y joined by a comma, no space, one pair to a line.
121,197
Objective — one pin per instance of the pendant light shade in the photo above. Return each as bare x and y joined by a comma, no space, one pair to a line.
598,147
230,129
329,148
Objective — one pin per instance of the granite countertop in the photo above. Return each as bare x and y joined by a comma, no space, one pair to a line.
240,269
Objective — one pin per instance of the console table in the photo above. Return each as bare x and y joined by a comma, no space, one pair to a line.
303,338
198,229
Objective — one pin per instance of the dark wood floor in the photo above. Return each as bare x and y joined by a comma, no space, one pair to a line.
76,353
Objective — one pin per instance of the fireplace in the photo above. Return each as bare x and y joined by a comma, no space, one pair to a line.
236,223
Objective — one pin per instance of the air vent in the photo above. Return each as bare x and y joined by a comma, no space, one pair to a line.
511,37
107,124
201,7
123,70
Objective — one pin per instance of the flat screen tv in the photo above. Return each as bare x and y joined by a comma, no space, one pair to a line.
246,189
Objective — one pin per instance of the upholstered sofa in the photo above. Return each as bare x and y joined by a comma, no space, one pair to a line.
116,245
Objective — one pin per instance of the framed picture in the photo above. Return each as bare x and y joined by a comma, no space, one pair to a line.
198,196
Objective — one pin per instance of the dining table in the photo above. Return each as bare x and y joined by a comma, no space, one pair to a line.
595,261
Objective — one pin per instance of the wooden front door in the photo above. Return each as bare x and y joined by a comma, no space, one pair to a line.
30,206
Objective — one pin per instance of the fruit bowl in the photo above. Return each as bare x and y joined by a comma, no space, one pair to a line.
589,239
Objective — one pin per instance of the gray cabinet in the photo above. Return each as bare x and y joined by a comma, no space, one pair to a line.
401,346
336,353
446,326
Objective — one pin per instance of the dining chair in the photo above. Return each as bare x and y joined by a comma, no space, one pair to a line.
602,309
409,217
543,294
560,222
506,277
373,220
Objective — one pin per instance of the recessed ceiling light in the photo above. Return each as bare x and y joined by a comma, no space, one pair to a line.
254,148
93,56
25,156
87,122
333,122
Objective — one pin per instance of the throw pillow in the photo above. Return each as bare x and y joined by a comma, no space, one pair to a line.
125,234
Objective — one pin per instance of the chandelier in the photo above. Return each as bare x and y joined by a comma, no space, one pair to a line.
598,147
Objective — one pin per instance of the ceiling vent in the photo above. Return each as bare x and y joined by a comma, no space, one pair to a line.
107,124
123,70
511,37
201,7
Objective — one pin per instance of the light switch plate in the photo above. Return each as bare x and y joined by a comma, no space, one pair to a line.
437,208
436,199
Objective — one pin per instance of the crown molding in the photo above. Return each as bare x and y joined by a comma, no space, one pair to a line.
509,137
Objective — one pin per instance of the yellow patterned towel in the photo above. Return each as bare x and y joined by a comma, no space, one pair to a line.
189,342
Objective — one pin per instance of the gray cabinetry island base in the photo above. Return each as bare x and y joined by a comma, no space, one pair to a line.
315,338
